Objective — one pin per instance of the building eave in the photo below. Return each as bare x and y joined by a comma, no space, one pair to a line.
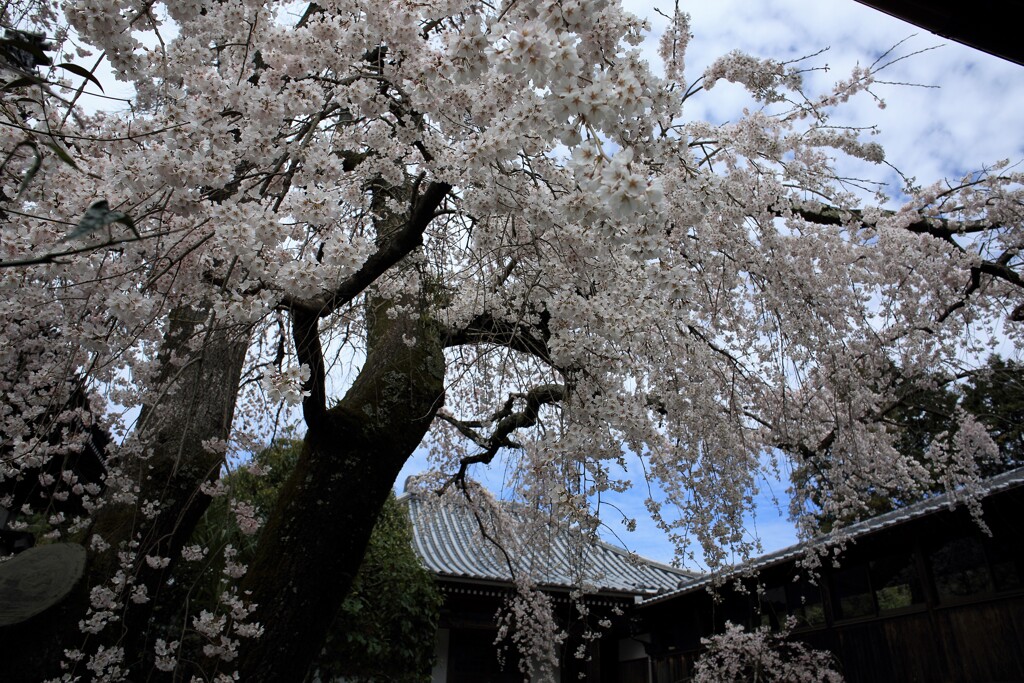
986,25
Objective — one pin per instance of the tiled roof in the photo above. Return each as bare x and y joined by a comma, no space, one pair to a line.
448,540
993,485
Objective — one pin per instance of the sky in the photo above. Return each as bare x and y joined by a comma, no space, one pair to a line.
962,113
949,110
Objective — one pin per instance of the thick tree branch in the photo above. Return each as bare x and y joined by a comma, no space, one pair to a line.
1001,271
941,228
468,428
305,315
400,245
306,333
486,329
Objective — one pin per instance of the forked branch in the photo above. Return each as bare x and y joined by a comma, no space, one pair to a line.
505,421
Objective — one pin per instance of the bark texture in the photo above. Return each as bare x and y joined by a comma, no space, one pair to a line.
200,369
316,538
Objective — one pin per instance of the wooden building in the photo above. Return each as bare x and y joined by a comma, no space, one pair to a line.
475,579
920,594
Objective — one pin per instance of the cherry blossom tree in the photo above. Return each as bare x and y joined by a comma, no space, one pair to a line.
478,228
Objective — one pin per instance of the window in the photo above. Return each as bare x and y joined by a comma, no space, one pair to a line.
772,607
960,569
895,583
1007,561
800,600
852,593
473,658
804,601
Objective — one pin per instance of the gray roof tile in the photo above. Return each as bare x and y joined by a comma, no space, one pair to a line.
448,540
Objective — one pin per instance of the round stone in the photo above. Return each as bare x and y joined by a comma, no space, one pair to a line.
37,579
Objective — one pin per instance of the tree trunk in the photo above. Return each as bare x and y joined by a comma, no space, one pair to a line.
317,536
198,386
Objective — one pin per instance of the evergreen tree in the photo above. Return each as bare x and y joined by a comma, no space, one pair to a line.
995,397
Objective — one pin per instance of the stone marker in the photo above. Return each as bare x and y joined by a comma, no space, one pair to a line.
37,579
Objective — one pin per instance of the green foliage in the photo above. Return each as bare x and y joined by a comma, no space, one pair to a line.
921,417
996,398
385,629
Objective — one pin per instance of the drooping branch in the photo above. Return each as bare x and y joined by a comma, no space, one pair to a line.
506,421
907,394
942,229
187,414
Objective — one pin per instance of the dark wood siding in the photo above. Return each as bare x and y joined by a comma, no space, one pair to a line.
930,600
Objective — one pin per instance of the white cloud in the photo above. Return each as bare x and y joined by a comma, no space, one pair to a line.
966,118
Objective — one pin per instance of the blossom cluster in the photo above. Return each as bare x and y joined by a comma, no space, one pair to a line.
738,655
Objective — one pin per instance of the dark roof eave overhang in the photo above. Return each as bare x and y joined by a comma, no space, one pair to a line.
999,484
985,25
503,585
